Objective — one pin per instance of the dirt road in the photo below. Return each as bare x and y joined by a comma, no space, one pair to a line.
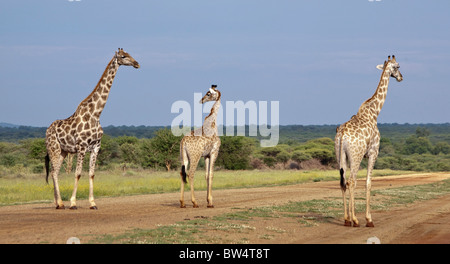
420,222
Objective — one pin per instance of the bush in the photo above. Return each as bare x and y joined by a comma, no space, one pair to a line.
300,156
235,153
418,145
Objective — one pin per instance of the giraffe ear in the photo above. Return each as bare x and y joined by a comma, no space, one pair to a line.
380,67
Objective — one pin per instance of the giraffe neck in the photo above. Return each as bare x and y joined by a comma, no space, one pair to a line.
209,127
371,108
95,102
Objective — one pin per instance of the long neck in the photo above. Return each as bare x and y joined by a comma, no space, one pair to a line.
371,108
95,102
209,127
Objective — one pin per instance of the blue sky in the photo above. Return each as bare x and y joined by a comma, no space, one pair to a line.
317,58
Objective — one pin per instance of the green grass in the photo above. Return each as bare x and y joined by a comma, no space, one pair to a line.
32,188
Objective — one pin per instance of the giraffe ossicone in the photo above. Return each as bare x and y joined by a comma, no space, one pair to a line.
81,132
358,138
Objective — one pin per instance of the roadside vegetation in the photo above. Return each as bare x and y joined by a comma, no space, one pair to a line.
139,160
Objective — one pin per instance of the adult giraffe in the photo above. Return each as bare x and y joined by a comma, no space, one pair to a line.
81,132
360,137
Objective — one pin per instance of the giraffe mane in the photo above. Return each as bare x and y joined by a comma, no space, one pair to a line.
101,78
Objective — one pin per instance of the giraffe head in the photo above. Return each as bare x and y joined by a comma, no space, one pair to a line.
212,95
392,66
123,58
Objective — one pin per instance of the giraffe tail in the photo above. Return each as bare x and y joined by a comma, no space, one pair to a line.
342,163
183,156
183,173
47,166
343,184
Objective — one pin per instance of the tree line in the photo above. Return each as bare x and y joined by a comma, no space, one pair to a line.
425,149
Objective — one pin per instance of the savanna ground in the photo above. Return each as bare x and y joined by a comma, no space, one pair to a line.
270,207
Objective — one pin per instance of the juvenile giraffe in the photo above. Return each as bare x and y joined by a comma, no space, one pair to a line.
358,138
202,142
81,132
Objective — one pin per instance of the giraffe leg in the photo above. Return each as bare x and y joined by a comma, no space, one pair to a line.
57,160
210,176
344,186
347,221
182,204
185,161
73,199
370,164
207,162
92,160
192,169
352,185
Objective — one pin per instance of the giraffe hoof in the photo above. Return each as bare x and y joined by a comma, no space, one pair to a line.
60,207
195,205
210,206
93,208
182,206
355,224
73,208
370,224
347,223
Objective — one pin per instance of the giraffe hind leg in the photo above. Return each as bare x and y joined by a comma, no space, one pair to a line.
73,199
192,169
56,160
183,175
347,221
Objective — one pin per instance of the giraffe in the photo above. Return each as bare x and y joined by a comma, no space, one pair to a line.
358,138
202,142
81,132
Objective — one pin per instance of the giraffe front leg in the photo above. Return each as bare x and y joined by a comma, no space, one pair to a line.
92,161
208,182
370,164
78,169
210,175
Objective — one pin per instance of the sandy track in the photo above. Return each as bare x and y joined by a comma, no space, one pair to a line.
421,222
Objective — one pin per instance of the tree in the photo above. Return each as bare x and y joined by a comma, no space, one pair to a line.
163,150
441,147
36,148
235,152
109,150
418,145
422,132
129,153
